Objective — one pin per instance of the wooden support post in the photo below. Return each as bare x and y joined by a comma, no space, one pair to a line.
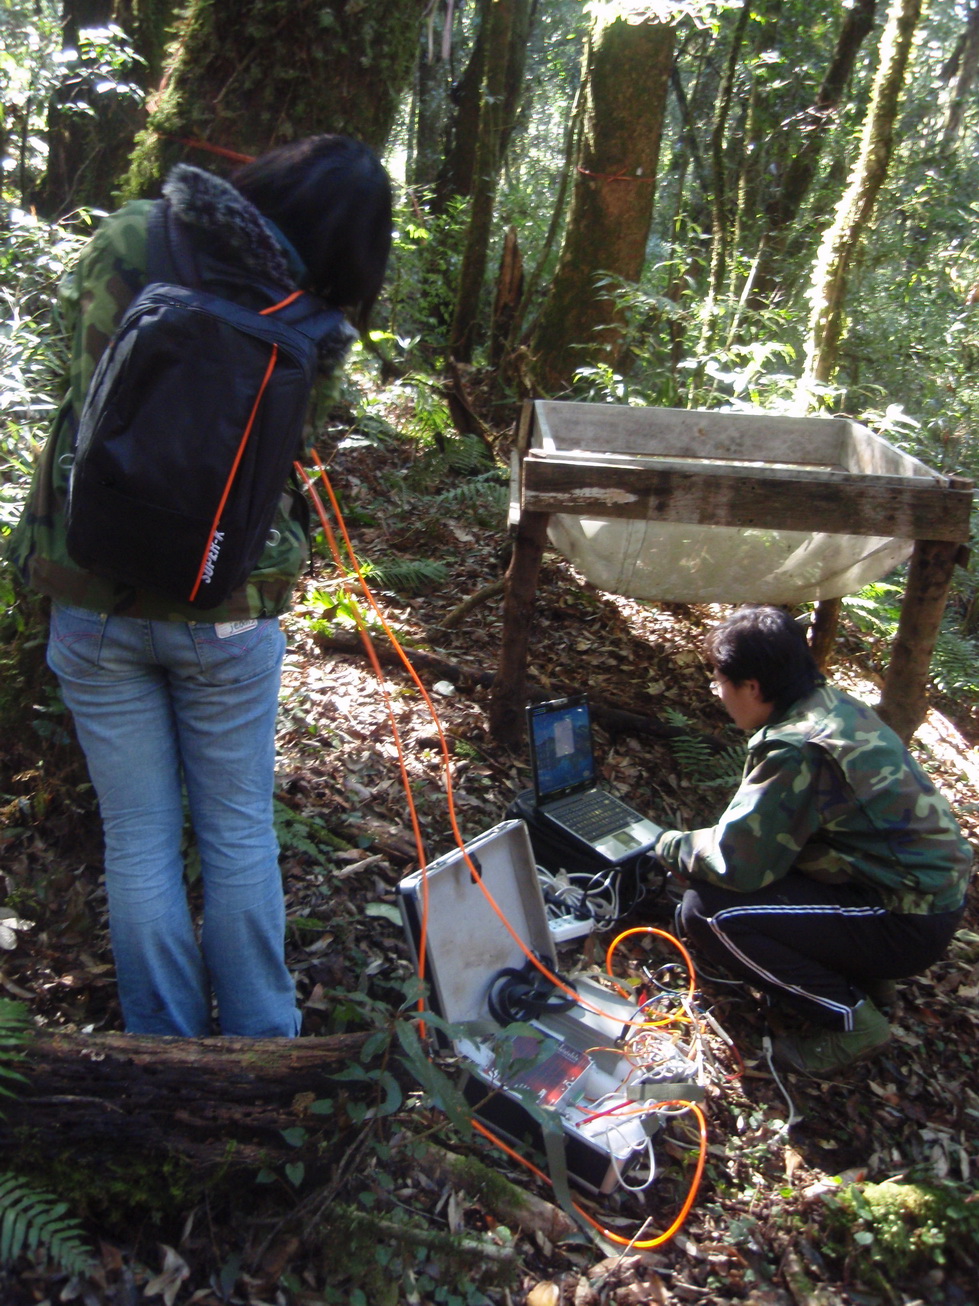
508,695
825,622
903,702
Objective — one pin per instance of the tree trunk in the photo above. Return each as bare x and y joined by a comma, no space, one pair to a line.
456,176
627,69
842,241
720,215
90,133
904,700
965,77
431,110
250,74
509,293
459,156
498,24
811,130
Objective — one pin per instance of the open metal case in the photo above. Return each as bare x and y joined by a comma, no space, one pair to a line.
579,1070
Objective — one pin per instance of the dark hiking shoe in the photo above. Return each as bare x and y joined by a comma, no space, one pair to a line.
831,1050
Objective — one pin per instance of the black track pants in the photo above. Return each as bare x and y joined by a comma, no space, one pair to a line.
812,943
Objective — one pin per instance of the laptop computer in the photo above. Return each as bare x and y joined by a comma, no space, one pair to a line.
565,789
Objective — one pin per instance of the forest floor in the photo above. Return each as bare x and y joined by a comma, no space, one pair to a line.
770,1223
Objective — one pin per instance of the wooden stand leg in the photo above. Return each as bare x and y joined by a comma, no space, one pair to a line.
507,699
903,702
826,619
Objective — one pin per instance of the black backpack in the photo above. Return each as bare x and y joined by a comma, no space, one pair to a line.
192,423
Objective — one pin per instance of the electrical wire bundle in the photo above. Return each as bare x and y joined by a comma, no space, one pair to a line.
602,896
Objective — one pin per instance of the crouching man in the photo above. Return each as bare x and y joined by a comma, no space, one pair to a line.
837,866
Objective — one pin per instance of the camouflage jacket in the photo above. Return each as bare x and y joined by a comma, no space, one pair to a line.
94,294
829,790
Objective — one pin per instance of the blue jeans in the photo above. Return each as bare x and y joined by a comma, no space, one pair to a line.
159,706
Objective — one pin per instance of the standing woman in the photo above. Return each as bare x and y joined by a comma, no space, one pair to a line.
165,703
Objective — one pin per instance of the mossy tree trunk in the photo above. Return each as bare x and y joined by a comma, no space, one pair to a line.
250,74
842,240
627,70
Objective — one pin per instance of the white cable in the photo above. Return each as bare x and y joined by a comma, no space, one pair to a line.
794,1116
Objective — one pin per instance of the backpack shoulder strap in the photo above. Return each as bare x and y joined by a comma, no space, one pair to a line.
170,256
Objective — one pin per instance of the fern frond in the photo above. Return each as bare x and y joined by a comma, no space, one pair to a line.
466,454
408,575
30,1219
483,498
460,454
699,761
15,1033
955,665
876,610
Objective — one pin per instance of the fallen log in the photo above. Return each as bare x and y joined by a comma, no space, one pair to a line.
212,1101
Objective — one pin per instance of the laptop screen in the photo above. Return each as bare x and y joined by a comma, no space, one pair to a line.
560,746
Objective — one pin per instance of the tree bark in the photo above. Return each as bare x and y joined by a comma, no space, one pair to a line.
431,104
250,74
842,240
499,24
627,69
509,293
506,717
825,623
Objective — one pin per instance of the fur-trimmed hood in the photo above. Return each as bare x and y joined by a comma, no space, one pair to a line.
207,201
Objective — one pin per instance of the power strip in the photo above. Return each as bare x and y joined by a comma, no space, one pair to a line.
565,928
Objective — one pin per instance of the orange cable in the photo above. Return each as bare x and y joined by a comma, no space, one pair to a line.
556,980
375,662
613,1237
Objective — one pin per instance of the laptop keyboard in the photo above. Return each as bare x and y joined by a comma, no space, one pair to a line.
590,815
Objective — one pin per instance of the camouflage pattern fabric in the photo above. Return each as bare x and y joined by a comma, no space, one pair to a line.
93,297
829,790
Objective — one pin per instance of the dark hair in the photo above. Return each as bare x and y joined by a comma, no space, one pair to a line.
331,198
764,644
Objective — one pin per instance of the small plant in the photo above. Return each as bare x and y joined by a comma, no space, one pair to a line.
702,763
29,1217
902,1227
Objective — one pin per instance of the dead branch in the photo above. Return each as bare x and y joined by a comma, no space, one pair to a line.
509,1203
476,600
